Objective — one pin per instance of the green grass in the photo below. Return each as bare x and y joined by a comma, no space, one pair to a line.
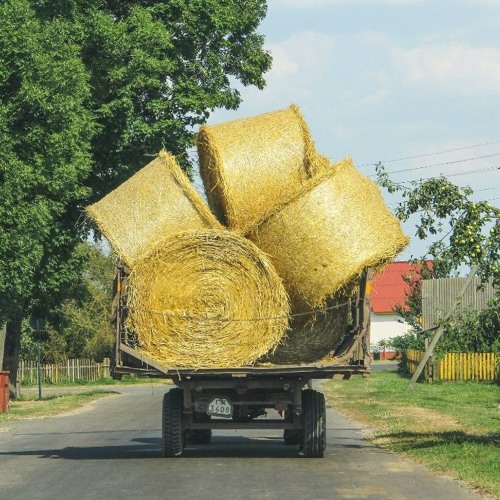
29,406
453,428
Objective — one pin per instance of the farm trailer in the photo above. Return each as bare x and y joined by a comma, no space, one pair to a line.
235,398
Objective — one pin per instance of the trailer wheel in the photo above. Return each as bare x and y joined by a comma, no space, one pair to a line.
172,432
314,424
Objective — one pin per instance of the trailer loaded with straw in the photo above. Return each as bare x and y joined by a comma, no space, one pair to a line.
244,301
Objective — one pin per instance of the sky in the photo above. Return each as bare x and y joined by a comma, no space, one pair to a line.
390,80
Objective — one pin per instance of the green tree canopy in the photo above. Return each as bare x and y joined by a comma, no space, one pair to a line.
88,92
157,69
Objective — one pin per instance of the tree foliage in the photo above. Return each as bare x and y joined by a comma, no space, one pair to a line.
80,325
88,92
468,231
45,134
465,233
411,310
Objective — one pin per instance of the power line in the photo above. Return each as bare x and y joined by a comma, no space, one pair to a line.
486,189
465,172
432,154
441,164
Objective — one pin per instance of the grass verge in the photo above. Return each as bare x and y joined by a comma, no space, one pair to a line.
453,428
29,406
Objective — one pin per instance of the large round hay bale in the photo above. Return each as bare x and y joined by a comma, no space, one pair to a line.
327,233
206,299
156,202
251,165
314,336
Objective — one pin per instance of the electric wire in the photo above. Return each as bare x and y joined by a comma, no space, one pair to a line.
440,164
433,154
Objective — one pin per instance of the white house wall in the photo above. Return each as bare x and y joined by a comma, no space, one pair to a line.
386,326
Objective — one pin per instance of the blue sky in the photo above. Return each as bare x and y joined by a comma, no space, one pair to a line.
380,80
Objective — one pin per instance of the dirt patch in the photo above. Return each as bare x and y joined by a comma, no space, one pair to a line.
425,419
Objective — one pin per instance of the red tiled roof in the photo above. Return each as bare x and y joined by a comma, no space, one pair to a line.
388,288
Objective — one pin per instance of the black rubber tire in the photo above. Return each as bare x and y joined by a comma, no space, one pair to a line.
314,424
172,433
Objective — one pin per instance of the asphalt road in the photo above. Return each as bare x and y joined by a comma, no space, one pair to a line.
111,450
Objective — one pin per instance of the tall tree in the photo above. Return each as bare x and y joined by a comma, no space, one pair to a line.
46,130
157,70
88,91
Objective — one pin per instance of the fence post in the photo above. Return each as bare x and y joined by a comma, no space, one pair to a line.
429,366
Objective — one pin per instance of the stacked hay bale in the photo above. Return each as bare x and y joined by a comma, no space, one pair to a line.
201,295
327,233
321,224
314,335
198,295
207,299
251,165
157,201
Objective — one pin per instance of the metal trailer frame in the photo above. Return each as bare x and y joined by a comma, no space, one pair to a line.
249,391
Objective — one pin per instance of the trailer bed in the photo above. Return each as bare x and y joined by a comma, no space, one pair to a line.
142,365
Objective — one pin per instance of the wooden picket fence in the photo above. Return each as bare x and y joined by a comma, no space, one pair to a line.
71,370
456,366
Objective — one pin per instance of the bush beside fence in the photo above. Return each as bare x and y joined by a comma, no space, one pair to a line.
481,367
71,370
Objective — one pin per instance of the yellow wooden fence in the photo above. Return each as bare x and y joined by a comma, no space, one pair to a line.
71,370
457,366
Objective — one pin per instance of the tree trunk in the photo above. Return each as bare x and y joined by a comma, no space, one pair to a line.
12,349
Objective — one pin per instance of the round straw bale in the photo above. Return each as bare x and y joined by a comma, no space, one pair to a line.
206,299
249,166
327,233
156,202
313,336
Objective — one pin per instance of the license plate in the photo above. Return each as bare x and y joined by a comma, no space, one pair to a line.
220,407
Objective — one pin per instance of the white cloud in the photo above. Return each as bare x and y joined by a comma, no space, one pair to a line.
299,64
454,68
306,51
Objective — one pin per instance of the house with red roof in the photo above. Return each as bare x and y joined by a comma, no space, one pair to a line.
389,290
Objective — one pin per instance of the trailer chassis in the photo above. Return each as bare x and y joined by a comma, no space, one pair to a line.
240,398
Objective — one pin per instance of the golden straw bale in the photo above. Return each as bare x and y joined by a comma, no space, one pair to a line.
313,336
327,233
206,299
156,202
249,166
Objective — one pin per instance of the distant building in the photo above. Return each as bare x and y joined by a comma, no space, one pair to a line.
389,291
